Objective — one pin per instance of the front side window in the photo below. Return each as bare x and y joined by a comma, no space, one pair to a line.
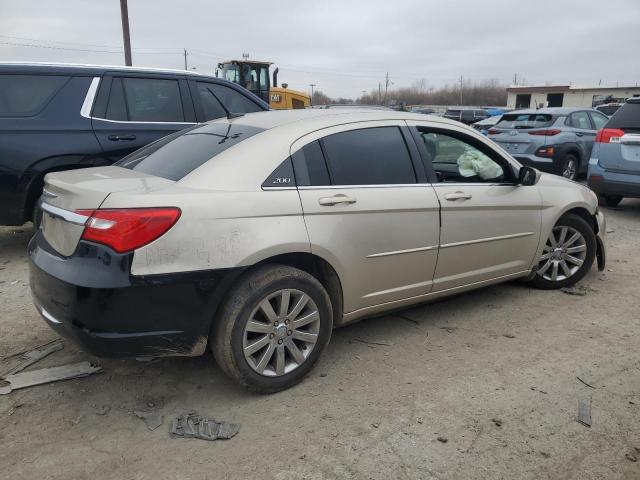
233,100
456,160
580,120
145,100
369,156
27,95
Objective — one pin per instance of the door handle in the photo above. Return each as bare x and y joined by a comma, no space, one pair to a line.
580,134
335,200
117,138
457,196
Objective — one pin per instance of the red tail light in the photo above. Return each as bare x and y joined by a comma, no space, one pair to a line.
545,133
125,229
609,135
493,131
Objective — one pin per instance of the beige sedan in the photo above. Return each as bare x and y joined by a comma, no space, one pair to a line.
258,234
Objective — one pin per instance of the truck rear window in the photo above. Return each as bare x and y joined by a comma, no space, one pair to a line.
27,95
524,120
178,154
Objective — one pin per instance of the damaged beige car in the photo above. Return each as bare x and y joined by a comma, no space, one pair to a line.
258,234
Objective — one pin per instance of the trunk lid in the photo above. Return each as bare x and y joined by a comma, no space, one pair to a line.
85,189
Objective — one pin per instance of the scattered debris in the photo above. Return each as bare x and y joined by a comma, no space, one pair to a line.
193,425
14,282
35,355
382,344
585,383
13,408
419,420
152,419
442,439
302,457
375,424
449,329
579,291
47,375
410,320
508,335
536,390
76,421
103,410
584,412
497,421
323,375
545,454
632,457
22,352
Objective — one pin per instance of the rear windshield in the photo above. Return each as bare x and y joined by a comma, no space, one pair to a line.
627,117
177,155
27,95
525,120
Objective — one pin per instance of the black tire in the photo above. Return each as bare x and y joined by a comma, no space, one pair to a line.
228,328
569,166
611,200
587,232
36,214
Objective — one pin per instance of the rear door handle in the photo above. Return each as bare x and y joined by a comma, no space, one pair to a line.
457,196
580,134
117,138
335,200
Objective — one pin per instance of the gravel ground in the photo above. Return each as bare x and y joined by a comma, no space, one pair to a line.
479,386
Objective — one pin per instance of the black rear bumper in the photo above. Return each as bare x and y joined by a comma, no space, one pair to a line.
608,187
91,299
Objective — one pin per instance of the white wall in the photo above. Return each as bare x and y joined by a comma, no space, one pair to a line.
573,98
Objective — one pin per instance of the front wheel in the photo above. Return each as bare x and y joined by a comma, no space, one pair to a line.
272,328
568,254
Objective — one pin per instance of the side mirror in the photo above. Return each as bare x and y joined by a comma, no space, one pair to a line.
528,176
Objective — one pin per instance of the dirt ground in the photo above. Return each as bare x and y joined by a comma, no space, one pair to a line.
491,373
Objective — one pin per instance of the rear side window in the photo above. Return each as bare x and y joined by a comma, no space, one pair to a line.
177,155
370,156
580,120
145,100
27,95
233,100
525,120
599,120
627,117
310,167
210,104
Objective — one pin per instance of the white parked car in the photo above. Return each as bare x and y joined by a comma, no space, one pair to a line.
259,234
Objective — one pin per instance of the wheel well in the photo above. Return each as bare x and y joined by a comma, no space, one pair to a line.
321,270
37,184
585,215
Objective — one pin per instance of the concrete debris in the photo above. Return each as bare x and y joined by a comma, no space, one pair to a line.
103,410
35,355
449,329
497,422
152,419
584,412
508,335
579,291
585,383
46,375
632,457
442,439
193,425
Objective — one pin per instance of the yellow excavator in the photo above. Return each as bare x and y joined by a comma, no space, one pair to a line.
254,76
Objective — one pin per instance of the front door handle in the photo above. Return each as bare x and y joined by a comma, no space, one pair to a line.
457,196
335,200
117,138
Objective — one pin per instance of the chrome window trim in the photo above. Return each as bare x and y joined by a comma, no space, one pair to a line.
89,98
65,215
144,123
391,185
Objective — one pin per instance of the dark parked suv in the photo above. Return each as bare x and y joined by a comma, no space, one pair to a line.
466,115
62,117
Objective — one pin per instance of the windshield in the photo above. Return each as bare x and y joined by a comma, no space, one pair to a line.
231,72
177,155
525,120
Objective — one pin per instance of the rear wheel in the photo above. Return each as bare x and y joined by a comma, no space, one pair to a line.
272,328
569,166
611,200
567,255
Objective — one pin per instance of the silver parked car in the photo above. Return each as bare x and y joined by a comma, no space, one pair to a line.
555,140
257,235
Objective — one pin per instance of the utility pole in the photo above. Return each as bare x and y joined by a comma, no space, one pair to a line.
386,87
312,85
515,79
461,87
124,13
379,93
185,59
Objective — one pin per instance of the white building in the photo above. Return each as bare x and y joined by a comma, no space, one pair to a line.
566,96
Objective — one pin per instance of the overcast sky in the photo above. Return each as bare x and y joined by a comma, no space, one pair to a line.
343,46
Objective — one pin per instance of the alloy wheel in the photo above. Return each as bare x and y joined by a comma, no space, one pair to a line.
569,170
281,332
563,254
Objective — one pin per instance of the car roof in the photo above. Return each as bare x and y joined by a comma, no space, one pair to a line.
550,110
89,69
322,118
